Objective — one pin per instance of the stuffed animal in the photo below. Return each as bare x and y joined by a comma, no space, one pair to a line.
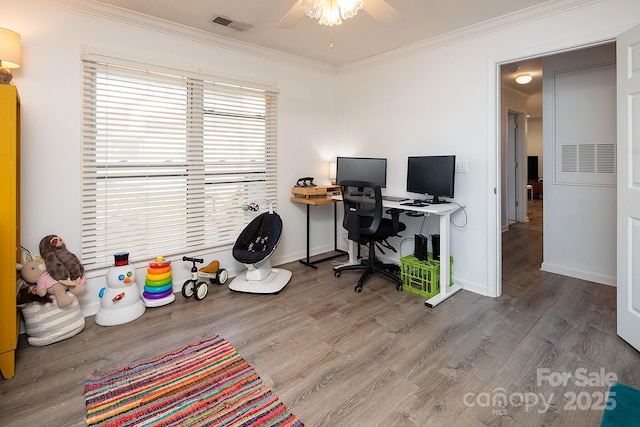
61,264
28,293
35,272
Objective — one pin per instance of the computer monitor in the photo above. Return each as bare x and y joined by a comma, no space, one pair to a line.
367,169
432,175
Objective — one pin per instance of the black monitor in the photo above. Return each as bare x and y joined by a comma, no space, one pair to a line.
432,175
367,169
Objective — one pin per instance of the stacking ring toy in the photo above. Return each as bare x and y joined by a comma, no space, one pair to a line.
158,270
157,296
158,289
162,276
157,282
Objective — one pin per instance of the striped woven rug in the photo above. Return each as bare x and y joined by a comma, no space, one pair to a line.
203,384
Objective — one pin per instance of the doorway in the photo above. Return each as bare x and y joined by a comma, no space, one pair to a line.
554,160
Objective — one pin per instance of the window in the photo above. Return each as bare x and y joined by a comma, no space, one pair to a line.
169,160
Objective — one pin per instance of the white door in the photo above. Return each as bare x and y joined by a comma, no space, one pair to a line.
512,150
628,218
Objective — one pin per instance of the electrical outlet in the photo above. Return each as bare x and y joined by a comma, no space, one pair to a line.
461,166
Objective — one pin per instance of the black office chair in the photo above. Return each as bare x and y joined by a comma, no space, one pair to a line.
364,221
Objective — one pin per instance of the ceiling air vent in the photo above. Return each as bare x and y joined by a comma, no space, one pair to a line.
226,22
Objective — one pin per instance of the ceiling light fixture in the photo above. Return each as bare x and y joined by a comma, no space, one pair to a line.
524,79
331,12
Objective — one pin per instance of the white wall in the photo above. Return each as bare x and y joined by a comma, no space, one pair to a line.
438,98
579,208
430,106
534,142
444,99
53,40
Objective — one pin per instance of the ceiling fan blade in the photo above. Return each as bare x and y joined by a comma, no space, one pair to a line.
381,11
292,16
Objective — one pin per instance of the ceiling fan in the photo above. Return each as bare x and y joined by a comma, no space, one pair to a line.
379,10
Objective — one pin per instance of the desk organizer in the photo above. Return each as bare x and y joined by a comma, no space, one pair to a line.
317,195
422,277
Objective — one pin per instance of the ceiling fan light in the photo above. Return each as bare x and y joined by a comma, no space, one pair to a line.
524,79
349,8
331,12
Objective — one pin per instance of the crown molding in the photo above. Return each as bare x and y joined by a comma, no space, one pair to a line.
533,13
514,91
549,8
141,20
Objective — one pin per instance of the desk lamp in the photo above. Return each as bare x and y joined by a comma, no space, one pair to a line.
332,172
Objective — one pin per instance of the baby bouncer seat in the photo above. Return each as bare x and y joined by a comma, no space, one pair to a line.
253,247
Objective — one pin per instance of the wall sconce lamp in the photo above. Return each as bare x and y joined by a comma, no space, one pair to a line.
523,79
10,54
332,172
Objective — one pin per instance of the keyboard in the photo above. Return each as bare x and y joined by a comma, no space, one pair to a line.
414,203
394,198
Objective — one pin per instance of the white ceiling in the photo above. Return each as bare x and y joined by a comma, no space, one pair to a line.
508,74
356,39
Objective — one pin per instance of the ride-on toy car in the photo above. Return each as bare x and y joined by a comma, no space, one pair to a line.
198,288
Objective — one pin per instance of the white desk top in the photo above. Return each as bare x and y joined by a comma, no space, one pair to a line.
437,209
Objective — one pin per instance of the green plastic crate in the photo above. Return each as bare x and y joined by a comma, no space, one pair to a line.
422,277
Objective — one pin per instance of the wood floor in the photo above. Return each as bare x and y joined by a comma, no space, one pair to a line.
378,358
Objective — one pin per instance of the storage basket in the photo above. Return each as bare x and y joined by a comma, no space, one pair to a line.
46,323
422,277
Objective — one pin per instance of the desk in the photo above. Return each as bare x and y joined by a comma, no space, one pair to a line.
443,211
315,196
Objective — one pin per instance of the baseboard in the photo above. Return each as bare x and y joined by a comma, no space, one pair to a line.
583,275
472,287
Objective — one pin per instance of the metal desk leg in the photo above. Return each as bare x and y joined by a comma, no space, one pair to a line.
445,272
339,253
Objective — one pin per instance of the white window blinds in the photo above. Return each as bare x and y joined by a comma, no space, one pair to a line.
169,160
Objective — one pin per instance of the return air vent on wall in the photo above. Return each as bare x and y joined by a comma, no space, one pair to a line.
589,158
226,22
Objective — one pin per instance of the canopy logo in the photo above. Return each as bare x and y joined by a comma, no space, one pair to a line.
597,400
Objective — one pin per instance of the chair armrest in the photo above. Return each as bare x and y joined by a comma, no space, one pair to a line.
395,217
353,229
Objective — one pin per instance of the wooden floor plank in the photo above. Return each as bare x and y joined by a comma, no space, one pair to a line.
380,357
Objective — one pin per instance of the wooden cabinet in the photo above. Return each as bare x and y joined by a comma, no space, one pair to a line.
9,225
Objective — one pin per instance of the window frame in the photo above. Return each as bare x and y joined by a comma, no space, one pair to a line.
229,159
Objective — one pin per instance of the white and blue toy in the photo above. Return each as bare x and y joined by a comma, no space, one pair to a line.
120,301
